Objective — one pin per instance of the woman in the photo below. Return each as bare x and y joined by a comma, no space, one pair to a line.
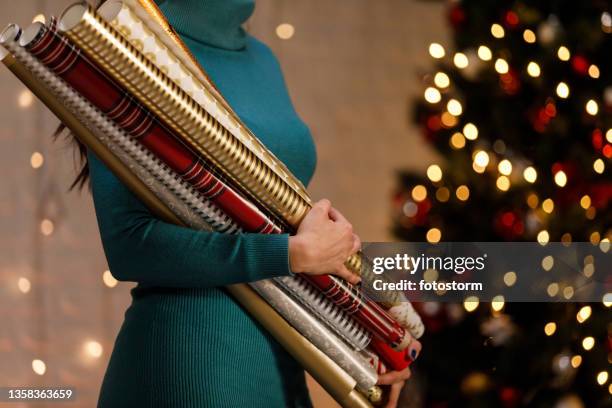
185,342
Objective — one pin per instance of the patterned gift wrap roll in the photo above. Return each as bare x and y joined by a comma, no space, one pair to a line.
338,320
396,303
67,62
50,89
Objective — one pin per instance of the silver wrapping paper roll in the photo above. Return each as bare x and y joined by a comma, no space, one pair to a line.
333,316
306,323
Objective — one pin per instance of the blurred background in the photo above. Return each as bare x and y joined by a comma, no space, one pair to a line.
434,120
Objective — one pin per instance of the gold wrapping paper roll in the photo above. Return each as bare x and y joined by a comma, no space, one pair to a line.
128,66
144,25
322,368
266,182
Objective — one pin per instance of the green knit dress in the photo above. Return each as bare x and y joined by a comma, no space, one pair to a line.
185,342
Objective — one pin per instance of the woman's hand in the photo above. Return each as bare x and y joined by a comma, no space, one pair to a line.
323,242
396,379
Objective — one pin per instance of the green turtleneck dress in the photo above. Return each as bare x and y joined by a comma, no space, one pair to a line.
185,342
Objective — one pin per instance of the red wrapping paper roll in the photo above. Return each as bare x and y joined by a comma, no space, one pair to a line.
57,53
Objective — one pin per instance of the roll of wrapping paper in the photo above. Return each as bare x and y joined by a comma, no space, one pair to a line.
321,367
338,320
66,61
143,24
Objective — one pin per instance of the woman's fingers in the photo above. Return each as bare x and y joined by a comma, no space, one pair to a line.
393,377
337,216
323,205
356,244
347,275
394,394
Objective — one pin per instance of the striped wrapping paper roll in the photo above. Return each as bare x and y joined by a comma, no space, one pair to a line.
79,72
43,83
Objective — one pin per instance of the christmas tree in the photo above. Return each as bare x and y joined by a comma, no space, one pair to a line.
518,109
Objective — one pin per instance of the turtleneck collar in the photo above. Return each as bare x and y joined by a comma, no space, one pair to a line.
217,23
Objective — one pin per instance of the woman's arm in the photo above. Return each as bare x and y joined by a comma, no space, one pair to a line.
144,249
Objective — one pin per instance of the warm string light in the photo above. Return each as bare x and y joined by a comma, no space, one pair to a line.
436,50
462,193
470,131
497,303
434,235
510,278
39,367
471,303
434,173
484,53
591,107
441,80
432,95
529,36
46,227
24,285
497,31
548,262
93,349
285,31
25,99
457,140
419,193
599,166
37,160
583,314
548,206
39,18
454,107
560,178
550,328
562,90
563,53
588,343
461,60
530,174
543,237
505,167
501,66
108,279
533,69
